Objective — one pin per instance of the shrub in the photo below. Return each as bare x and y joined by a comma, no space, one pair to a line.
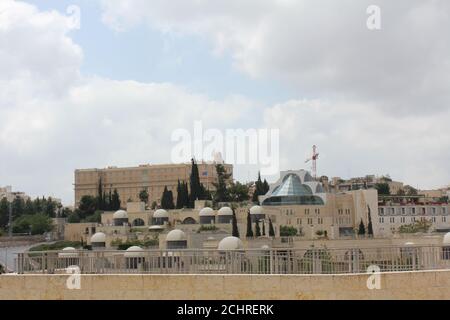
34,224
56,246
288,231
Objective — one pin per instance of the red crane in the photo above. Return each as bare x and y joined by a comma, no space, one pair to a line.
315,156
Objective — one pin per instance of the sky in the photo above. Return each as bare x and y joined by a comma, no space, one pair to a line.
112,90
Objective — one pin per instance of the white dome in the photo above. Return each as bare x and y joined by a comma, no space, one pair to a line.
98,237
230,243
409,243
225,211
256,210
206,212
69,252
155,228
446,240
134,251
161,213
176,235
120,214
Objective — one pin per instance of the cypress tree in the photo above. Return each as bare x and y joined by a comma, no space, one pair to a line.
263,228
235,229
369,225
194,184
164,199
185,195
115,199
257,230
179,196
101,204
271,229
249,226
266,187
362,228
170,204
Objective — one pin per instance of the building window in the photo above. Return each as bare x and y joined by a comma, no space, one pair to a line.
403,211
413,210
320,220
402,219
381,220
433,219
392,220
433,210
444,219
310,221
381,210
392,210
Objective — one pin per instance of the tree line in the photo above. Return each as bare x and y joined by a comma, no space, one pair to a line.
30,216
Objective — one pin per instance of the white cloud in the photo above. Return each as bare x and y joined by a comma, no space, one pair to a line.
317,49
356,140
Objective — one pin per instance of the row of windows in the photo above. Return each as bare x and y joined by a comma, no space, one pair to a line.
290,212
412,210
409,219
341,211
309,221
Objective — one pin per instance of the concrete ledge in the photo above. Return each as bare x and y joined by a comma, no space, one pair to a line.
399,285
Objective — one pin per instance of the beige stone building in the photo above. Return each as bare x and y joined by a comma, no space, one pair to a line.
130,181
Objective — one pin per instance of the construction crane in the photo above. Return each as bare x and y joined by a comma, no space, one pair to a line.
314,157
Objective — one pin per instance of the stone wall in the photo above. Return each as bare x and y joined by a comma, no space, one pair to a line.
401,285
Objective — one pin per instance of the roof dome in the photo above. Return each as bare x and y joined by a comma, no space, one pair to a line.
155,228
134,251
98,237
230,243
120,214
256,210
446,240
225,211
161,213
68,252
176,235
206,212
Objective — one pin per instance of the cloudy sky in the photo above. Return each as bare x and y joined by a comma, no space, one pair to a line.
113,91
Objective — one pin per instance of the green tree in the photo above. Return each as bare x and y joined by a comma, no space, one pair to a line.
362,228
29,207
238,192
4,213
18,207
143,195
369,225
34,224
194,184
271,229
115,200
249,226
235,229
100,199
179,204
257,229
383,188
221,194
74,217
288,231
411,191
87,206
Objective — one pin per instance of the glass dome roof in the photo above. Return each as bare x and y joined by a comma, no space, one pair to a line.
292,186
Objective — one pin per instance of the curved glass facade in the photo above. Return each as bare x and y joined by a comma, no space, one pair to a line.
291,200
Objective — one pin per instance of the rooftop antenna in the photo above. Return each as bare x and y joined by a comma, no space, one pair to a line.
314,157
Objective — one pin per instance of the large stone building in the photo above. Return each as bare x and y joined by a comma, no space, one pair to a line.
130,181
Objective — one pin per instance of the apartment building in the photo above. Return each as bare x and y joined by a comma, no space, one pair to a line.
130,181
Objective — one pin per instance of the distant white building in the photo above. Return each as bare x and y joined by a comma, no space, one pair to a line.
6,192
